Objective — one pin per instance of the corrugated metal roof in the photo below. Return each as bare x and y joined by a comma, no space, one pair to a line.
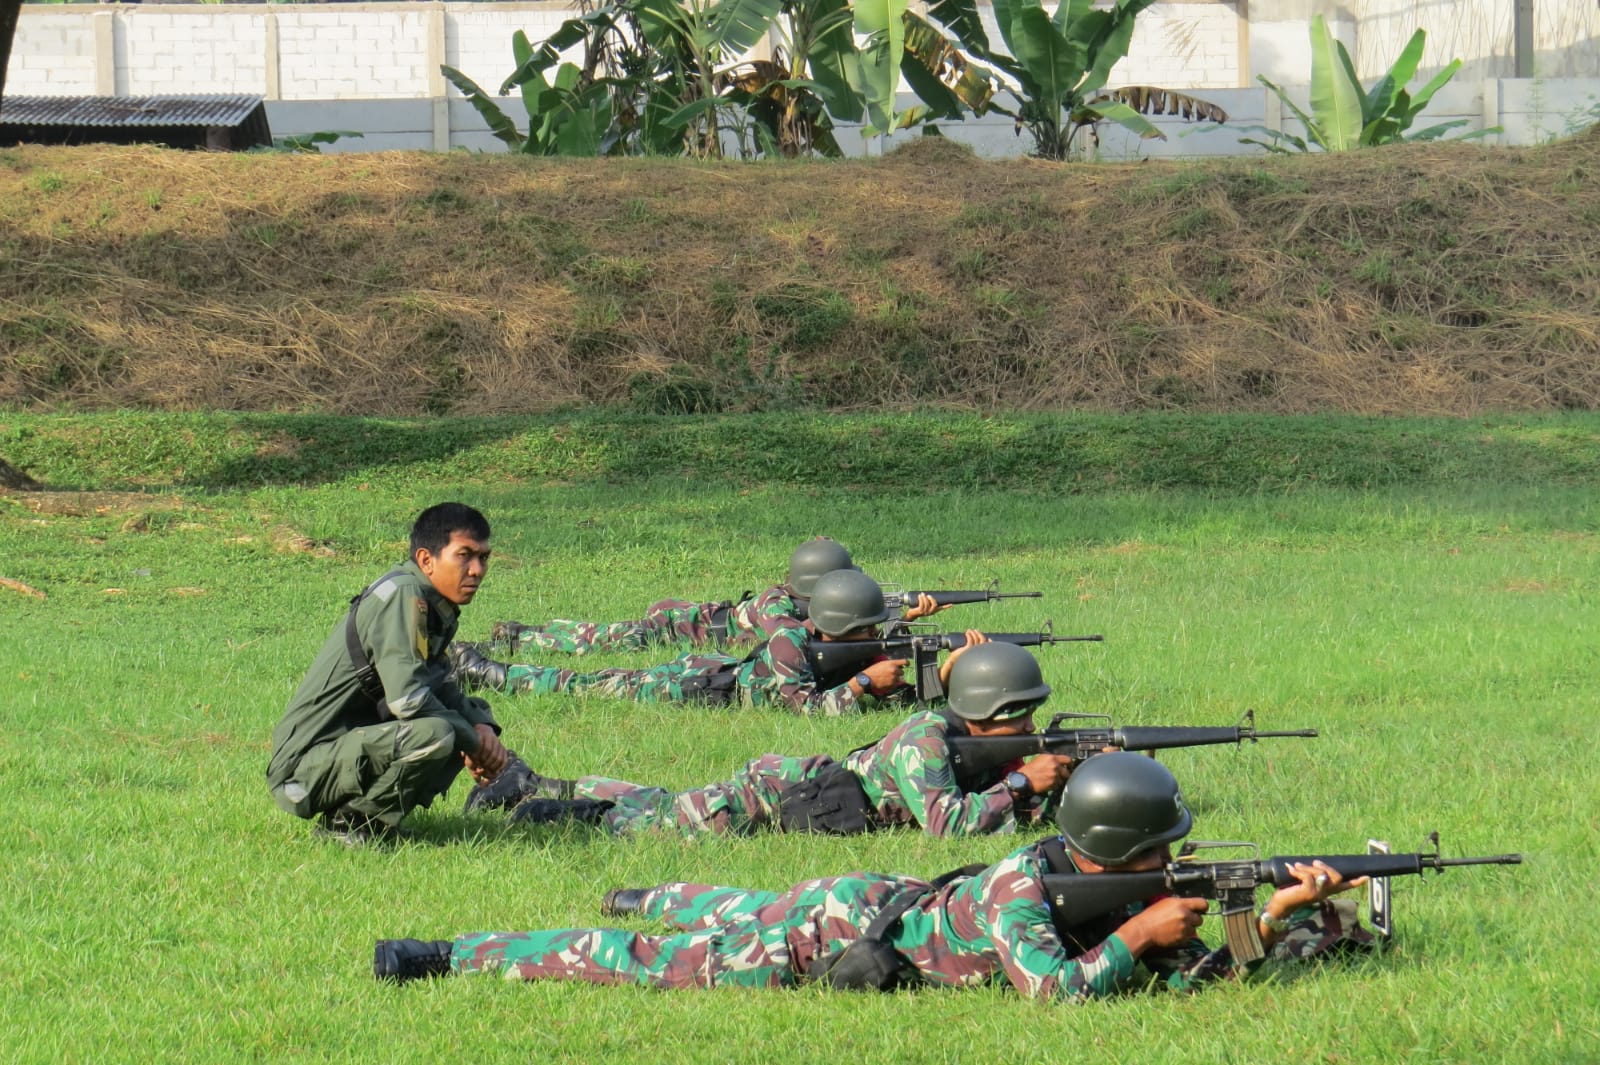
191,110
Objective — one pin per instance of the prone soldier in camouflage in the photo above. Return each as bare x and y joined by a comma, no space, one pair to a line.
360,761
996,925
906,776
685,623
845,605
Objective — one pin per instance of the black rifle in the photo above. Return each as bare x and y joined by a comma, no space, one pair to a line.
832,659
895,599
975,758
1231,884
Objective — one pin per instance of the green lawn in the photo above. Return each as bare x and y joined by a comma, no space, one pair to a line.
1427,601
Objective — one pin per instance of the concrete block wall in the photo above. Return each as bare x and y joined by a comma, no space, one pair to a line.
53,51
1189,46
173,50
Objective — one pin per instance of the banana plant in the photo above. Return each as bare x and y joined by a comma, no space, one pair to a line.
569,114
1344,116
1055,66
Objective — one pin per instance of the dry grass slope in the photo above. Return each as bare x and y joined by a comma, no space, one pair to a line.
1426,279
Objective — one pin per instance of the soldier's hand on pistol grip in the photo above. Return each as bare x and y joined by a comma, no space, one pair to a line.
886,676
1047,772
1168,923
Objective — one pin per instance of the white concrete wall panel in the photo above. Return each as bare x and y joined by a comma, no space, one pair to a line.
52,54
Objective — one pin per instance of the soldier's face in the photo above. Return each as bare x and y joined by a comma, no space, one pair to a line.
457,570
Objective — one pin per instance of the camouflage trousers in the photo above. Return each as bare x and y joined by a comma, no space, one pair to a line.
669,622
726,937
745,804
657,684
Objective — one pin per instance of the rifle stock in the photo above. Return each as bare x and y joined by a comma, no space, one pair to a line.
975,758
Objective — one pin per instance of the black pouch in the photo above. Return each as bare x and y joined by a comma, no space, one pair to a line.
865,965
712,689
831,802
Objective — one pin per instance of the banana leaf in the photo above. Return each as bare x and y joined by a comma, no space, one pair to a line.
499,122
1124,116
831,60
1055,62
940,75
1381,97
736,25
1335,100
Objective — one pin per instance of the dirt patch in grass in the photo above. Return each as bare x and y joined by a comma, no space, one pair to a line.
1425,278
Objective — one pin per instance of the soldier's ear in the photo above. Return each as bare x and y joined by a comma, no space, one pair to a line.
424,560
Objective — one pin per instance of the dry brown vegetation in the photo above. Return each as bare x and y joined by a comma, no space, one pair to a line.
1432,279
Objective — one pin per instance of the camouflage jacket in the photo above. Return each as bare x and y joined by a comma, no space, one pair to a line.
998,925
777,673
762,615
404,625
908,777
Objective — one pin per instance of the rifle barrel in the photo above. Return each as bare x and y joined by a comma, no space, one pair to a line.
1301,733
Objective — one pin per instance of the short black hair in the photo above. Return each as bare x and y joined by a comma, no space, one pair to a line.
434,526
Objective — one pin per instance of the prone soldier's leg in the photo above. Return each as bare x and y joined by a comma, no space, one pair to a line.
678,622
569,636
688,907
743,954
747,802
663,683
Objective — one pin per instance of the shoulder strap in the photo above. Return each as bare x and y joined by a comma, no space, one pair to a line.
896,907
366,673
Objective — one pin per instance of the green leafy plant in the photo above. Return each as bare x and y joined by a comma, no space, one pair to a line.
1055,68
1344,116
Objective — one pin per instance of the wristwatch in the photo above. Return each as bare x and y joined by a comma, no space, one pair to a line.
863,680
1018,784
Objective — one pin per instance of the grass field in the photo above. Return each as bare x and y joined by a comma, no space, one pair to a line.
1421,591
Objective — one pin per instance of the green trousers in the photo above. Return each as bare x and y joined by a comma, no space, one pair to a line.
383,771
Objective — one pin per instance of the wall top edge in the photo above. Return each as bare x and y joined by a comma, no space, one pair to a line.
384,5
322,8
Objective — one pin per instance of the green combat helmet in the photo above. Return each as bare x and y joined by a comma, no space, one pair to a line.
1116,805
995,681
846,600
811,560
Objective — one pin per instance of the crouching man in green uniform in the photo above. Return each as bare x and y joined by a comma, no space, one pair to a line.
1119,813
377,728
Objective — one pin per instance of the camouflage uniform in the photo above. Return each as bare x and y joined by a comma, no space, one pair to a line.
333,749
906,775
993,927
670,622
775,674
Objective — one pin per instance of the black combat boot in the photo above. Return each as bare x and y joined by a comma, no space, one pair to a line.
517,781
352,828
537,811
472,669
507,635
410,959
624,900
